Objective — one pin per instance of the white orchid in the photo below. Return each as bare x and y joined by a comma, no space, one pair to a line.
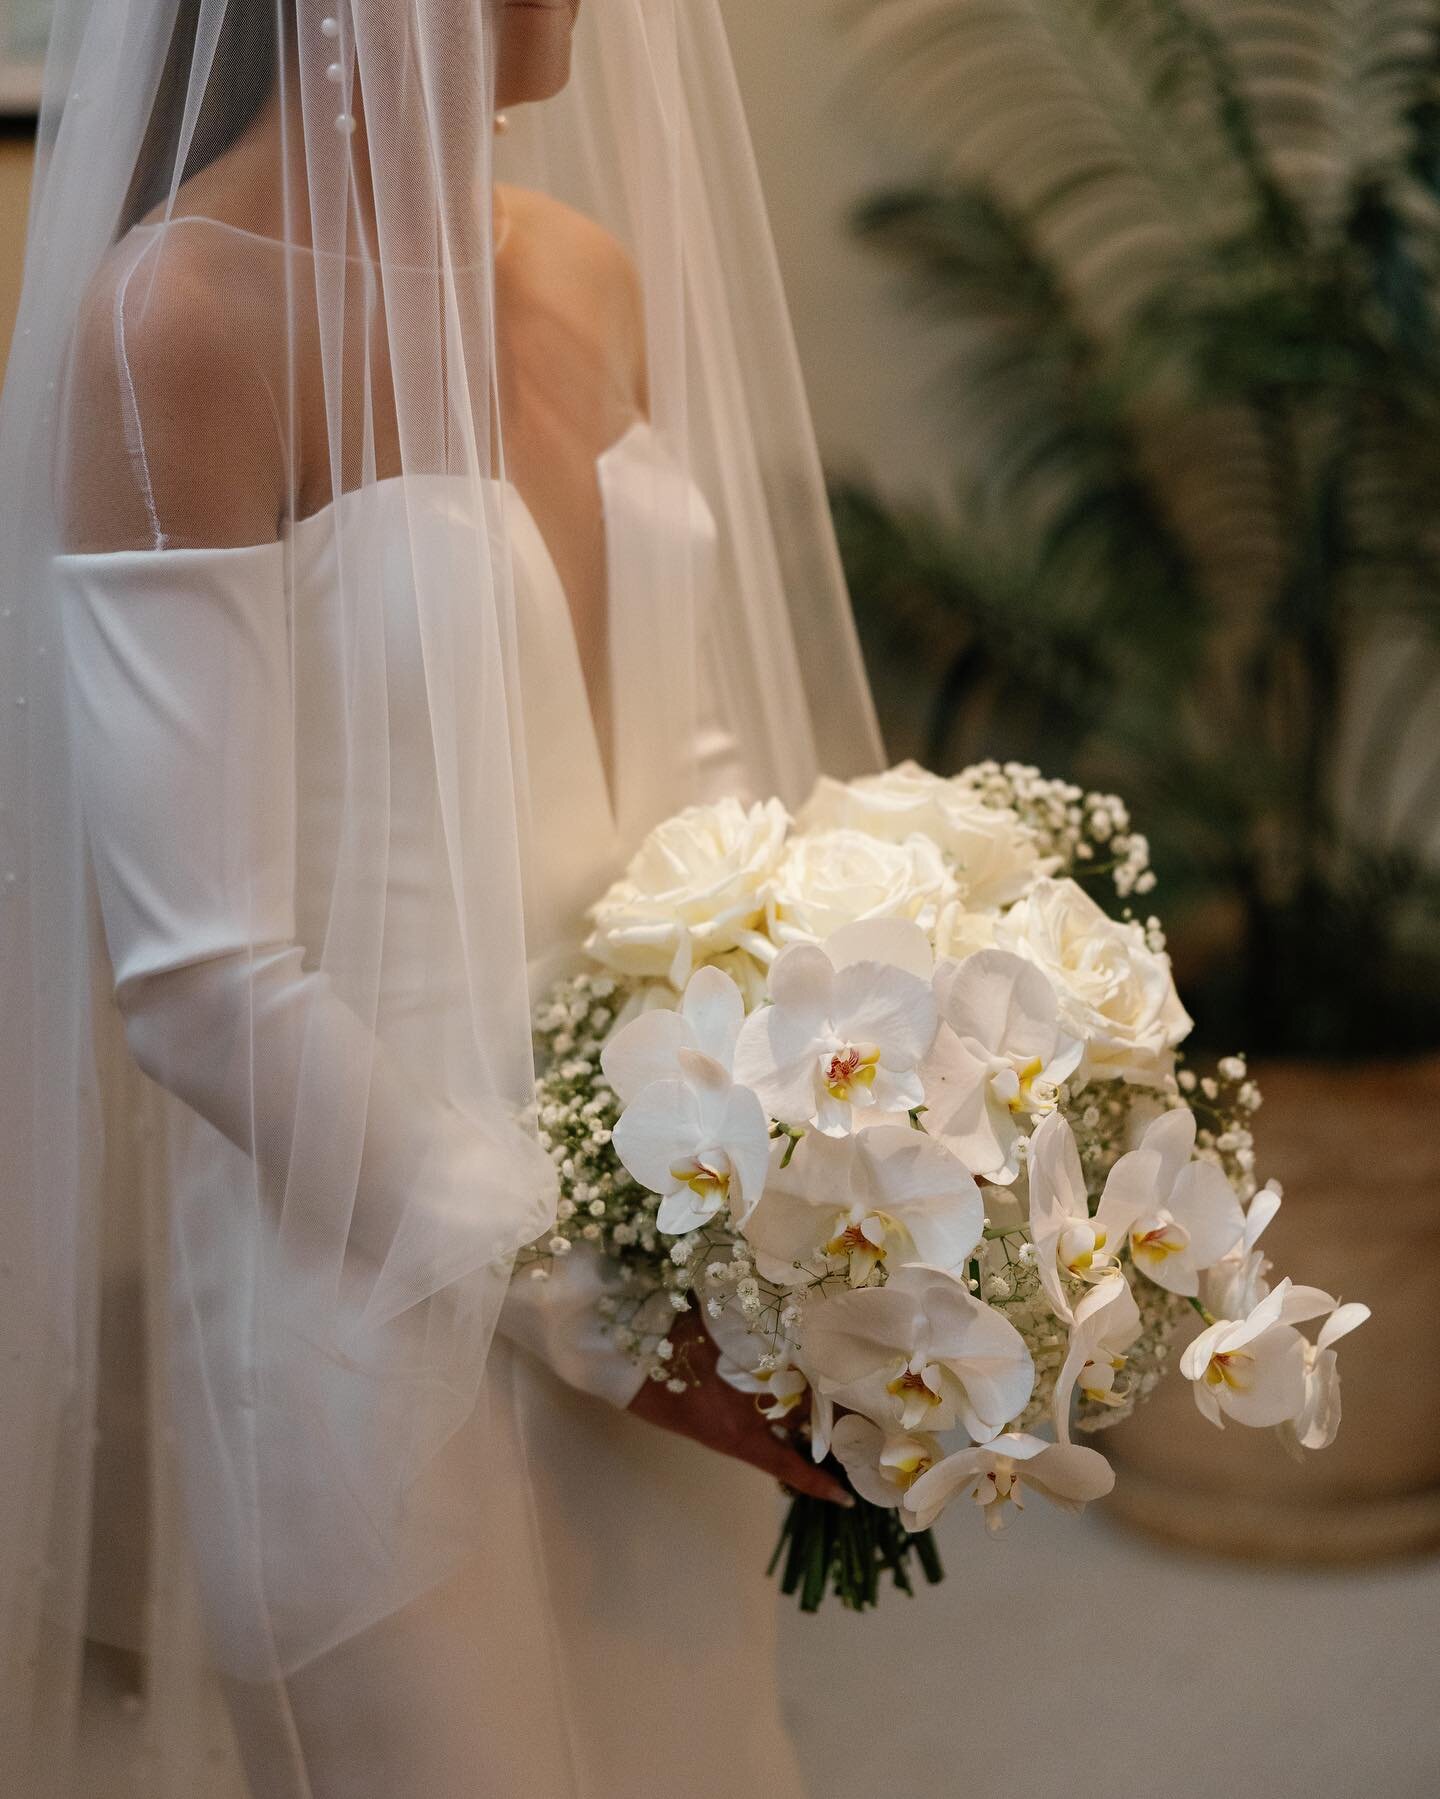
778,1390
999,1057
847,1028
1254,1369
886,1196
648,1048
1236,1284
1315,1425
1107,1323
995,1475
1188,1217
700,1141
920,1351
882,1465
756,1361
1180,1216
1070,1245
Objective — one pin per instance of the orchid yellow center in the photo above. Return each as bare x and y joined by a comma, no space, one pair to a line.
997,1489
1097,1381
1082,1250
916,1395
905,1467
909,1382
1158,1240
1230,1370
845,1069
862,1245
1025,1096
705,1179
852,1241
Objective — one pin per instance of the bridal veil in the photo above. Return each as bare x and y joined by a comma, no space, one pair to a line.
343,333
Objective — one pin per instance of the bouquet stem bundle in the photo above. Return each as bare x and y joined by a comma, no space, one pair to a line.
827,1548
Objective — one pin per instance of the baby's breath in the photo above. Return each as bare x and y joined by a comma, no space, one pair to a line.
1089,833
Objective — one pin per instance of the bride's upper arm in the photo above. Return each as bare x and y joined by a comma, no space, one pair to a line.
171,436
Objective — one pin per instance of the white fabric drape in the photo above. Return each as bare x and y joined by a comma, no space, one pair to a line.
276,439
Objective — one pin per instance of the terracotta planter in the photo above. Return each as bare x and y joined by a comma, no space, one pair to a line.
1358,1152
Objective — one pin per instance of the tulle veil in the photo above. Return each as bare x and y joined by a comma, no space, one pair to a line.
361,318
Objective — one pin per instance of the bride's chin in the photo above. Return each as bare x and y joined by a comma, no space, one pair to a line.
533,56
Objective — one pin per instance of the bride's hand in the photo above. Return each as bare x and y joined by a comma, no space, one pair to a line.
715,1414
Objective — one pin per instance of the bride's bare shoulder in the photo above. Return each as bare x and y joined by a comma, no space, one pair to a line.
561,231
574,255
170,393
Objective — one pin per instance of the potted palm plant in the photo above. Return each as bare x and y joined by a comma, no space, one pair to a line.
1183,257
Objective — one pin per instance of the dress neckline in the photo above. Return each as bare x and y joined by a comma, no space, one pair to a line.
308,534
640,429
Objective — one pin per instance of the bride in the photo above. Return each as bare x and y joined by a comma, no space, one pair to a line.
408,500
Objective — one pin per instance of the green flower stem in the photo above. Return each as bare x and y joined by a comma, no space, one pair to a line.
827,1548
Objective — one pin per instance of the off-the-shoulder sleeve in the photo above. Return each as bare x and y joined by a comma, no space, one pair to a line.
182,721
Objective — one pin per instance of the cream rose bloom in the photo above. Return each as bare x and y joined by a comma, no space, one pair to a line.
991,851
1115,994
695,891
959,932
827,879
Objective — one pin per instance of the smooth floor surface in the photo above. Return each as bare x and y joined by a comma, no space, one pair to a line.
1068,1659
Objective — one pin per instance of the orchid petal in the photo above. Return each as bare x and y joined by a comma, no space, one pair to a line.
776,1060
874,1003
1057,1182
1070,1475
802,980
1004,1003
714,1009
964,1112
1274,1381
1341,1322
657,1130
1172,1137
1204,1202
685,1211
1130,1192
644,1052
1263,1208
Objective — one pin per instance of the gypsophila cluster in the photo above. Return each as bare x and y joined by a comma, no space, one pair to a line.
886,1097
1090,833
600,1205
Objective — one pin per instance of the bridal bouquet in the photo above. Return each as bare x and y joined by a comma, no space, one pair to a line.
890,1097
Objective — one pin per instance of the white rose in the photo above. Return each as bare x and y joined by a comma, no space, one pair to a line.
895,805
1115,994
834,878
959,932
991,849
695,891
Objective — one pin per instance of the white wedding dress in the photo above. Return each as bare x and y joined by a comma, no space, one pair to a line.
615,1637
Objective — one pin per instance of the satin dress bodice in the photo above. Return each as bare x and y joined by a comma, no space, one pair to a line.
577,829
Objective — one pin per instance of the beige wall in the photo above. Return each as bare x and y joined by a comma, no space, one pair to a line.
865,363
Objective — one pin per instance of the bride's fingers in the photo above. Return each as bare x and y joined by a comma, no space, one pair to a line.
780,1457
798,1472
